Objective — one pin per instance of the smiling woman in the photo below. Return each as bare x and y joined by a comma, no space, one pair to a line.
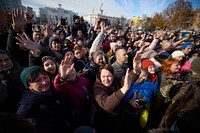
110,115
39,102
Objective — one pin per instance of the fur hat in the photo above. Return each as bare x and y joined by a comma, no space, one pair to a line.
145,63
187,44
195,65
177,53
28,71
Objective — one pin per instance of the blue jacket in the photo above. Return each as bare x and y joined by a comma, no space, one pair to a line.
142,90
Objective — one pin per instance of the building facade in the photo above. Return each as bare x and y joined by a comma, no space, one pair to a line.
54,15
92,19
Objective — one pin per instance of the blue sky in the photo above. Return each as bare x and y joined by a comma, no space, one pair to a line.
127,8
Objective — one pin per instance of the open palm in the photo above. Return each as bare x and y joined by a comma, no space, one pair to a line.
66,67
26,42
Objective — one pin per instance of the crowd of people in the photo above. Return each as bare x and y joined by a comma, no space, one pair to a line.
71,79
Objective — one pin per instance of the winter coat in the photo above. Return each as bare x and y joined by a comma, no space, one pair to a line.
77,94
109,115
46,111
147,89
187,122
11,81
20,55
92,72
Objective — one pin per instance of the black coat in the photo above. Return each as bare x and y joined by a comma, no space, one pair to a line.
46,111
10,79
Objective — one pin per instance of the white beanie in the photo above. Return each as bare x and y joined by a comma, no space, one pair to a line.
177,53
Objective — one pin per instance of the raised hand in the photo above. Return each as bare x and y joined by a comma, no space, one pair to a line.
48,32
25,41
137,59
127,81
159,34
128,78
66,67
103,29
17,20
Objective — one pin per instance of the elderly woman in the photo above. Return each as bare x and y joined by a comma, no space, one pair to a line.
109,116
170,77
39,104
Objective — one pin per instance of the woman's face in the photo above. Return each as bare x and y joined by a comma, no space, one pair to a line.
99,59
50,66
106,77
41,83
175,67
78,54
179,58
84,51
62,36
69,54
37,36
151,69
5,62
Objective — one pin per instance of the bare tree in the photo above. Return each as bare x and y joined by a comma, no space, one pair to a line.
158,20
176,13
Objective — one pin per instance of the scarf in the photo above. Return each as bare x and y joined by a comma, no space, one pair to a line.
153,77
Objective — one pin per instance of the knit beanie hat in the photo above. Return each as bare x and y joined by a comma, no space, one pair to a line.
177,53
186,45
65,50
195,66
26,72
146,63
53,38
4,52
